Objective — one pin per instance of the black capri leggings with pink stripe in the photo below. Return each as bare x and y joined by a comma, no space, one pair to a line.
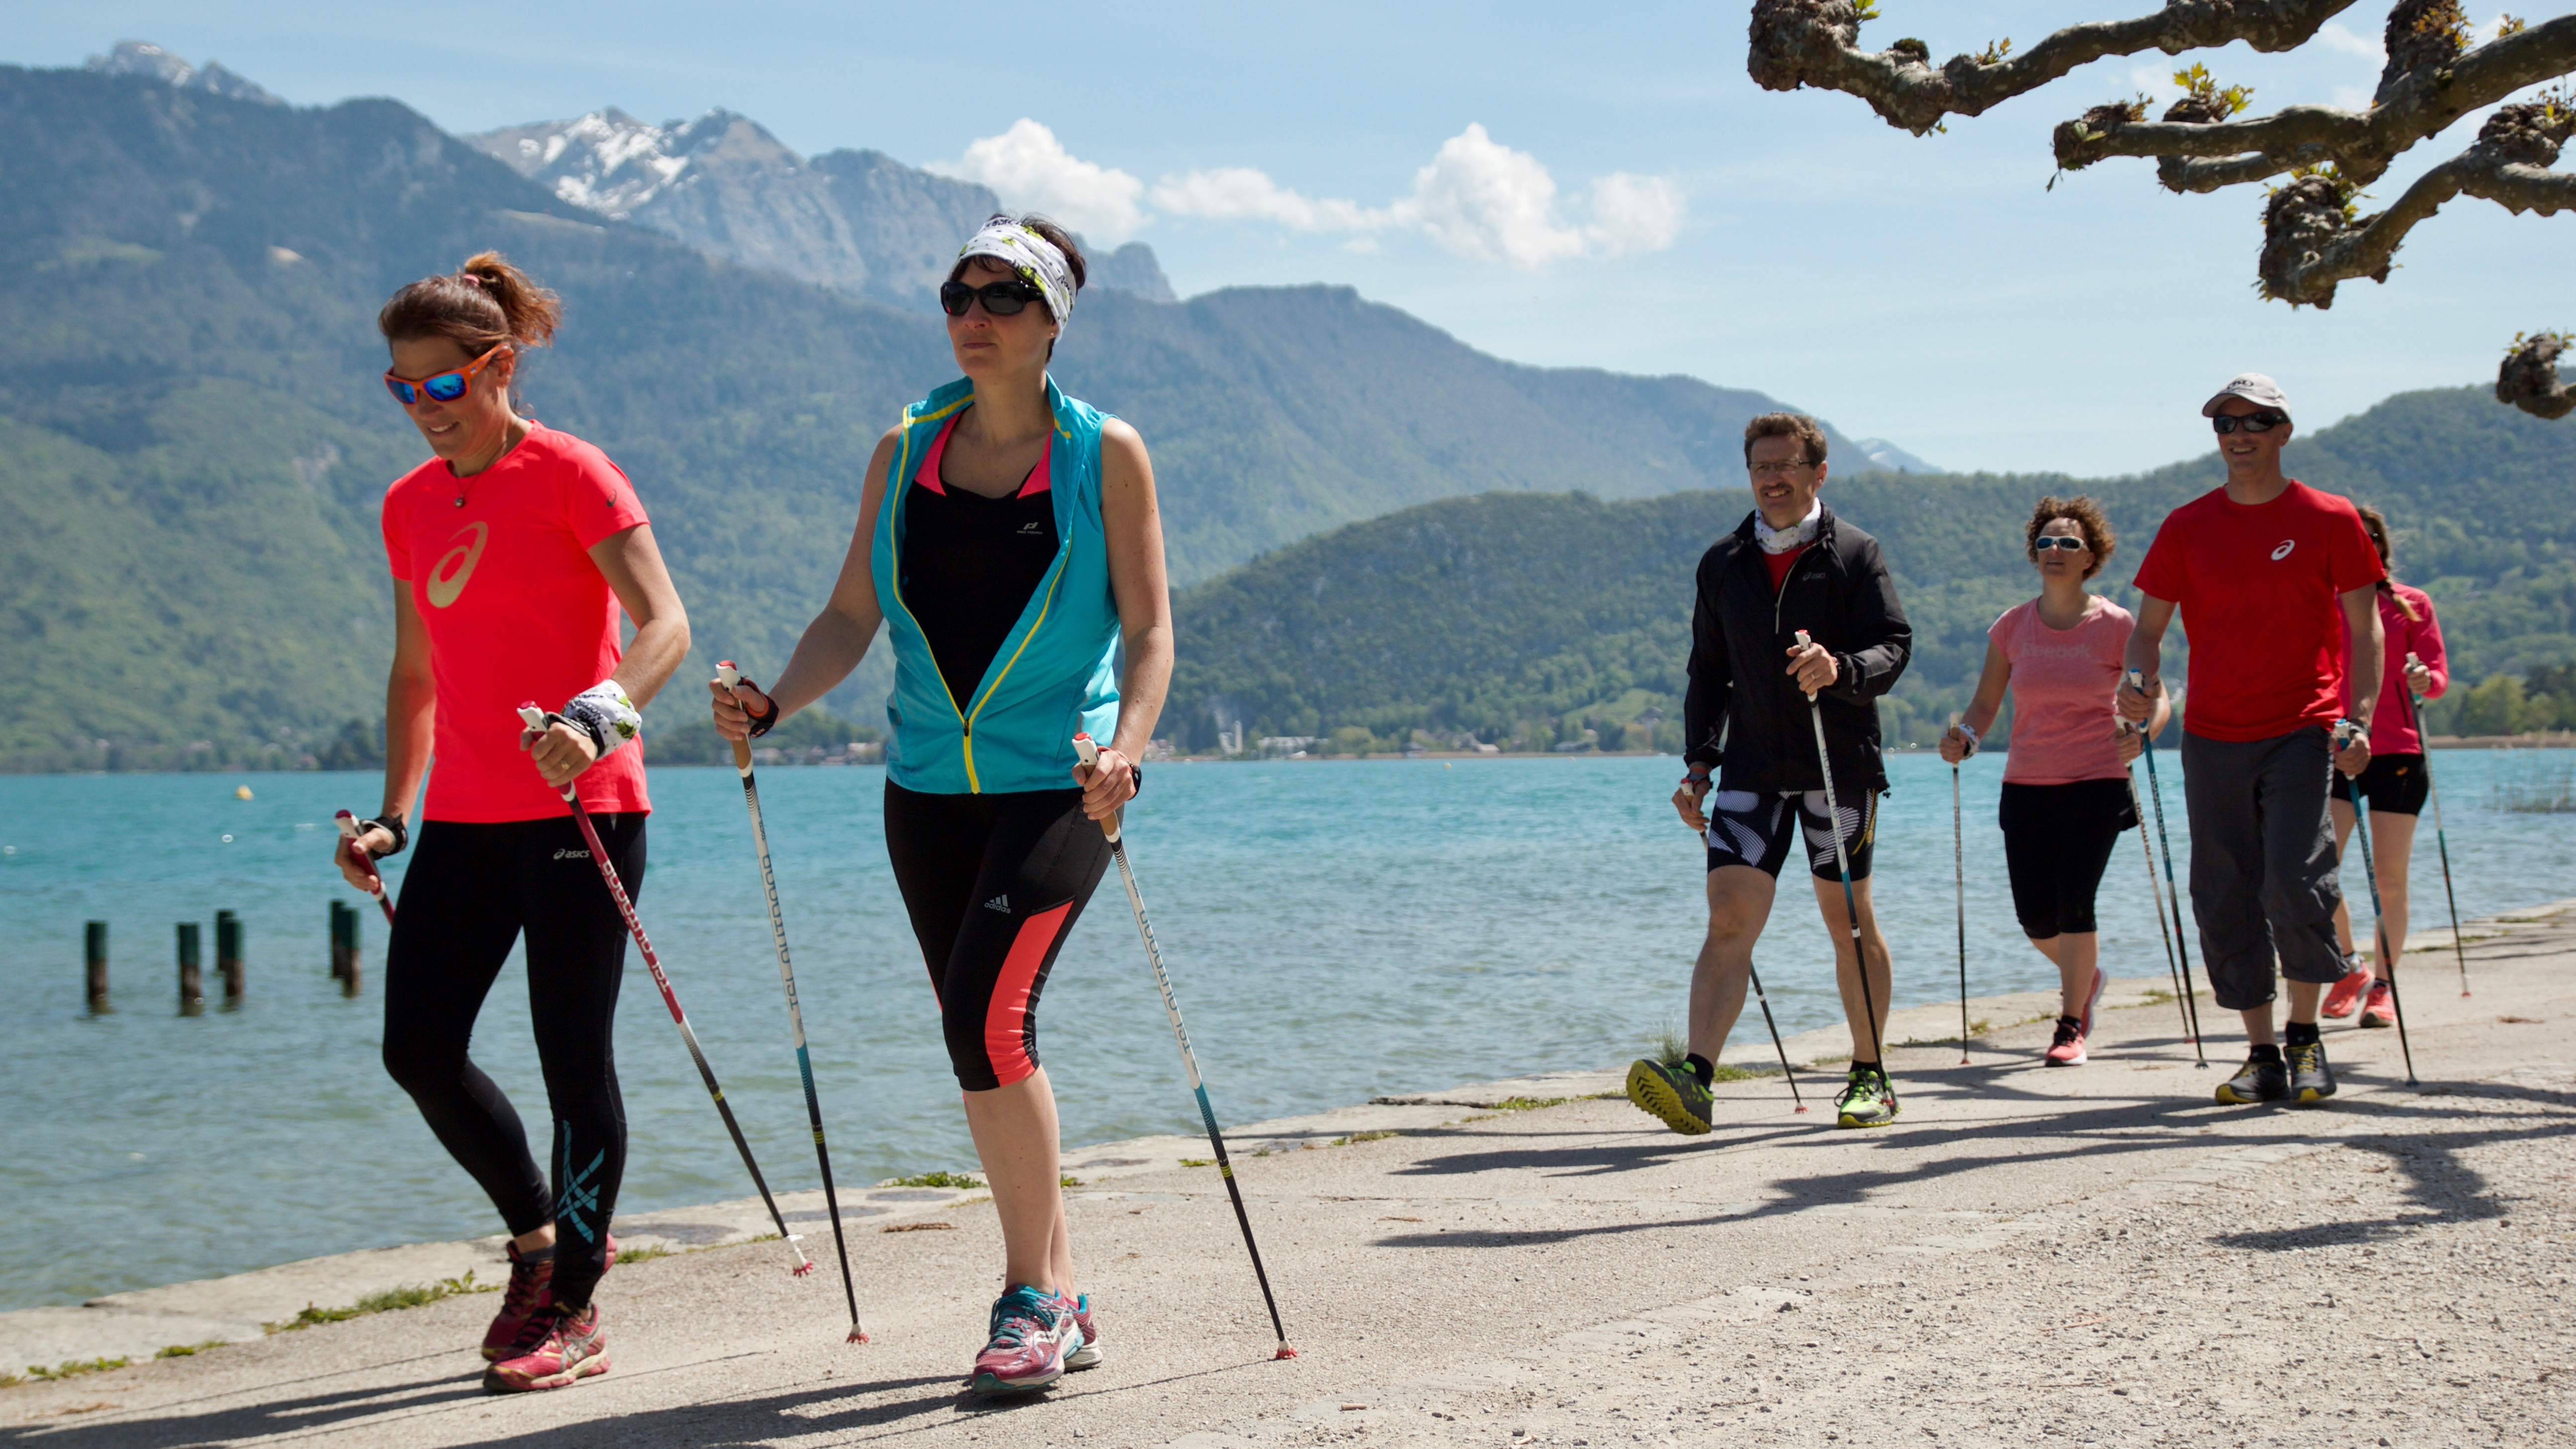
993,884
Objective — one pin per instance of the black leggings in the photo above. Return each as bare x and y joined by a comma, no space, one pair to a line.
470,891
2057,841
993,884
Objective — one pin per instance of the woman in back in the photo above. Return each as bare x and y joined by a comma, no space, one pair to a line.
1008,542
2395,784
513,551
2066,791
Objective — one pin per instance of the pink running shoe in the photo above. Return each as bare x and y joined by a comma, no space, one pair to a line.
1032,1332
2381,1008
574,1347
2068,1049
2344,995
519,1326
1088,1354
2092,1003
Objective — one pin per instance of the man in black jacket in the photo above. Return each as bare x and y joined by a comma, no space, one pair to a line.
1791,566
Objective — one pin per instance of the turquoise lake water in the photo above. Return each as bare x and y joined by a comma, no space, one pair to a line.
1334,930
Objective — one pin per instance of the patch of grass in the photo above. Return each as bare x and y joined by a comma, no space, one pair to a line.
643,1253
185,1350
1669,1044
70,1368
1198,1162
934,1179
388,1301
2157,996
1724,1073
1529,1104
1069,1180
1362,1137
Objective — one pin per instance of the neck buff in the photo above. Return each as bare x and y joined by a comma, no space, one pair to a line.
1796,535
1029,254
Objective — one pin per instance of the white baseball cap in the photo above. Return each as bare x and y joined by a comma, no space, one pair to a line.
2255,388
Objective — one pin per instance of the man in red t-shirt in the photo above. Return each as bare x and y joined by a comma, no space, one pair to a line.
2259,569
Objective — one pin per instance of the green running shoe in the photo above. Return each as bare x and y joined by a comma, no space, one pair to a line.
2261,1079
1867,1100
1671,1093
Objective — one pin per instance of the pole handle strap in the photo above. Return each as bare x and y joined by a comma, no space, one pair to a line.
1089,749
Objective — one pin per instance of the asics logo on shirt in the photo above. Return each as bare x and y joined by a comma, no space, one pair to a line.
1000,903
572,855
2283,551
446,582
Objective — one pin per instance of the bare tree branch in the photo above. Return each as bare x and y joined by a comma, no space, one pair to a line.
2311,240
2202,154
1816,43
2529,378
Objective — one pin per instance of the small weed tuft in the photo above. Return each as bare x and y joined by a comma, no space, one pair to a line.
643,1253
388,1301
1529,1104
1198,1162
71,1368
1069,1180
1362,1137
185,1350
934,1179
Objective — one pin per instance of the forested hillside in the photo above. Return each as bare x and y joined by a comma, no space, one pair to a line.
193,441
1531,619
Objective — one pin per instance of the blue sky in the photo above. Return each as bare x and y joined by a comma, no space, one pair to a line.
1583,186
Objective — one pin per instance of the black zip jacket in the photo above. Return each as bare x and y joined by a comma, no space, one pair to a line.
1840,593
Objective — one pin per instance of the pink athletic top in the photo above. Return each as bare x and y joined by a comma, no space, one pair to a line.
2063,728
2392,724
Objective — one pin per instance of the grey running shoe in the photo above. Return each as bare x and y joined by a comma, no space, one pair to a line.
2311,1080
2261,1079
1671,1093
1868,1100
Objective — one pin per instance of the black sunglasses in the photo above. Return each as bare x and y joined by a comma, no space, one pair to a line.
1002,299
2262,422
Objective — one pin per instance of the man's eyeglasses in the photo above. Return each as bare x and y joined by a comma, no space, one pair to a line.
1781,469
1002,299
442,386
2262,422
2051,542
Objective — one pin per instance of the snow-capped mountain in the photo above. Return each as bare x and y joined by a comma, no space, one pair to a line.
138,57
1883,454
855,221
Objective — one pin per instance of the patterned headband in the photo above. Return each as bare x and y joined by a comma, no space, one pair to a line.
1032,256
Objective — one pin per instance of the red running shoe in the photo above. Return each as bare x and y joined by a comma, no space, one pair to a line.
1088,1354
2068,1049
574,1347
2093,1002
2344,995
517,1327
1032,1332
2381,1008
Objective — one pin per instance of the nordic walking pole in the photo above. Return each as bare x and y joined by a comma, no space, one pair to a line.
795,1015
2138,808
1089,750
2440,840
2164,842
538,720
2378,922
1851,902
1959,878
376,882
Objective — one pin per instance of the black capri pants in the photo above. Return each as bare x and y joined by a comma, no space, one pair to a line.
2057,842
473,888
993,884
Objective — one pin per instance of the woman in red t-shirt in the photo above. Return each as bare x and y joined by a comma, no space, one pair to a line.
513,551
2395,783
2066,794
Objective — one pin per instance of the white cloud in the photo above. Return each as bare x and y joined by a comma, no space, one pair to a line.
1242,193
1480,198
2334,35
1635,214
1031,171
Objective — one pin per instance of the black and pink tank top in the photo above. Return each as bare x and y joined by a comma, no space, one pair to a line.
970,564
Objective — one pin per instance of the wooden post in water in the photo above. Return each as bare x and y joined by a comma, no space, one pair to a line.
339,941
228,955
192,985
94,945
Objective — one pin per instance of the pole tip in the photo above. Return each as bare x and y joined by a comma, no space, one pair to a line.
858,1335
803,1267
1801,1107
1284,1352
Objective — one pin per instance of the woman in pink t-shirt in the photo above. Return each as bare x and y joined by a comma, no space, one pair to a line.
514,549
2395,785
2066,794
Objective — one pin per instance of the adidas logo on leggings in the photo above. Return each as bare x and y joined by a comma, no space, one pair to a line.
1000,903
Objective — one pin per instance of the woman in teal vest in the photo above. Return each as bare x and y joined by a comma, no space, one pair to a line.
1008,541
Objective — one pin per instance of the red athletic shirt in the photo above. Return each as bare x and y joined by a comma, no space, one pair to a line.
1780,563
2258,585
516,610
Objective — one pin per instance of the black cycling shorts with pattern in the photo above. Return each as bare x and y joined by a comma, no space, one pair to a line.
1759,829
